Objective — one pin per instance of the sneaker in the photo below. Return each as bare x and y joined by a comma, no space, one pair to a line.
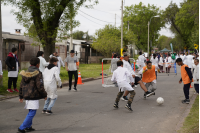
145,96
49,112
75,89
116,105
69,89
136,86
9,90
16,90
30,129
21,131
128,107
44,111
148,93
186,101
124,98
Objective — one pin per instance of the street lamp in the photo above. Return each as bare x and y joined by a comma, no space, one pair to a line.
148,31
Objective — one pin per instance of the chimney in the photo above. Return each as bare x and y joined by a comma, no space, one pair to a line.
18,31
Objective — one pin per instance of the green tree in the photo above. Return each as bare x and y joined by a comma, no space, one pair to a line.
163,42
46,16
138,17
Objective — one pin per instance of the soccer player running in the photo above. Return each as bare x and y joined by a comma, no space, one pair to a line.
137,79
120,76
186,77
149,77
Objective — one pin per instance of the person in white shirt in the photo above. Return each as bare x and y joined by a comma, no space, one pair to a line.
168,62
196,75
182,56
185,58
141,60
189,59
114,63
137,81
43,62
51,77
60,62
120,76
154,61
1,72
161,63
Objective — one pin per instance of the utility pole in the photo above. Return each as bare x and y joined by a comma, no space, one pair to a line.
1,45
148,39
115,20
122,28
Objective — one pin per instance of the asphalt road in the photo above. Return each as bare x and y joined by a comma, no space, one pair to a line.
90,110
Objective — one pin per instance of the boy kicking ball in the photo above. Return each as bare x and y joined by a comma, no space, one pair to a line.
120,76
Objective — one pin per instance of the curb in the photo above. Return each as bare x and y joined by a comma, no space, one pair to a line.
64,85
185,113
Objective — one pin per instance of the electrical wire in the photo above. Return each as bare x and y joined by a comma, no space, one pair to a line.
96,18
90,20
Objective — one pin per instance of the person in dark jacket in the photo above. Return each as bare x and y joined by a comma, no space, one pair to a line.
13,69
31,89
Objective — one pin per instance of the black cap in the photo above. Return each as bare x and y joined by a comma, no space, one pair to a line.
72,51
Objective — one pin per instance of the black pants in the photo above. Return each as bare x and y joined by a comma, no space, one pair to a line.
156,74
186,89
12,80
167,70
196,86
71,73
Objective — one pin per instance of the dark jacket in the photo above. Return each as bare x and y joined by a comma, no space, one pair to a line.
11,62
32,86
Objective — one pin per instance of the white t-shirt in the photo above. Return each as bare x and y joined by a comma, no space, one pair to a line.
32,104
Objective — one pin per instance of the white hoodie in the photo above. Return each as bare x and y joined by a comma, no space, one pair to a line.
51,77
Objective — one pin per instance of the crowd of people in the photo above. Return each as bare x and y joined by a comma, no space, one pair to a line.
40,81
125,78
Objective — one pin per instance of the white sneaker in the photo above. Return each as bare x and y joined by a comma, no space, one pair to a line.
124,98
135,86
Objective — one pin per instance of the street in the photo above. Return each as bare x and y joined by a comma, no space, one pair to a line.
90,110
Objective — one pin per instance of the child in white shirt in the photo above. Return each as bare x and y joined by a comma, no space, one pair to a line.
51,77
120,76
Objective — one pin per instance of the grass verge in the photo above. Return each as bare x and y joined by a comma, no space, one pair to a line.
191,123
87,71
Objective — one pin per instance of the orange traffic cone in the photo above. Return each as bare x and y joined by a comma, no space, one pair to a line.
191,86
79,78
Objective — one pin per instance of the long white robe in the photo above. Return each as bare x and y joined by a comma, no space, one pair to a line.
168,61
51,77
141,61
189,59
161,61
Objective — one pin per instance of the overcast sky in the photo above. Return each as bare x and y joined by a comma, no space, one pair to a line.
105,11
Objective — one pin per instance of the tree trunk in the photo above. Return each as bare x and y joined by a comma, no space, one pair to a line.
49,48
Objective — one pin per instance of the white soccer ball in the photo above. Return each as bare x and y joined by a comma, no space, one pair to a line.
160,100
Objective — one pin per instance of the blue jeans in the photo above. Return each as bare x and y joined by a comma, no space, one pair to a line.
28,120
47,105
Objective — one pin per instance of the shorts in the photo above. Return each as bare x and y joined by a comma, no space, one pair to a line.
137,79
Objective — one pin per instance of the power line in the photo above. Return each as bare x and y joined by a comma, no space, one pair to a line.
95,18
104,11
90,20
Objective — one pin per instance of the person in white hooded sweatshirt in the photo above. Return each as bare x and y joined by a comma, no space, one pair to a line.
196,75
51,77
43,62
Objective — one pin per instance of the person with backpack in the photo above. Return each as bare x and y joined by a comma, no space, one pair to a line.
31,89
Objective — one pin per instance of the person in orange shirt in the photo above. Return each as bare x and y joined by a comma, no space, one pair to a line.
186,78
149,77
